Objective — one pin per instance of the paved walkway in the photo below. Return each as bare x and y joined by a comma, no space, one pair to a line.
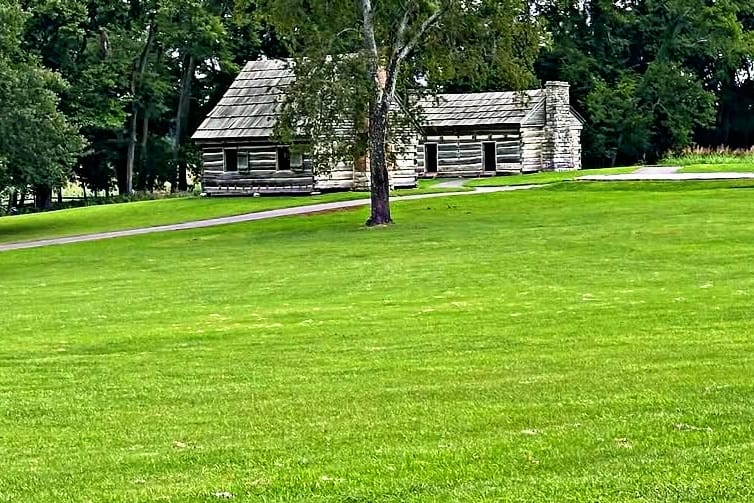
665,173
656,170
247,217
452,184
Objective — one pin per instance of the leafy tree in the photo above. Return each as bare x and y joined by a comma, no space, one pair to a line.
681,61
37,143
354,57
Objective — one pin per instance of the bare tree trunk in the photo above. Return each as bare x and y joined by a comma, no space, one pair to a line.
42,197
148,185
83,187
184,105
130,153
13,200
380,182
137,75
60,196
384,81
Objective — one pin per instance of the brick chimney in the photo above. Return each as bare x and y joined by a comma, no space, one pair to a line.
562,143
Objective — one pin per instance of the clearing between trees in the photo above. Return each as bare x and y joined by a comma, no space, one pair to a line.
575,342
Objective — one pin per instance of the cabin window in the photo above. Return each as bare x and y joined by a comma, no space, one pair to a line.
297,161
283,158
242,165
489,156
430,158
231,160
287,160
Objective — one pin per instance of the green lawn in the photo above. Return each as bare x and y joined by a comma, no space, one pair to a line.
738,167
545,177
581,342
112,217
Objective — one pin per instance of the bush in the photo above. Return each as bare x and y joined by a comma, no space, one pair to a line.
709,155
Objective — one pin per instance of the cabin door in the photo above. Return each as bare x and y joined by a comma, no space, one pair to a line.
430,158
489,156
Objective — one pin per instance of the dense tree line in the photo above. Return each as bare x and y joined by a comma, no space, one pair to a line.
652,76
107,92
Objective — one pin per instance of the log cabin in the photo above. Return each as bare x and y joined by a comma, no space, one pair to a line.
469,135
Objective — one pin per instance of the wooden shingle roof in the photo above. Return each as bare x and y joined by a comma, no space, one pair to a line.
480,109
252,105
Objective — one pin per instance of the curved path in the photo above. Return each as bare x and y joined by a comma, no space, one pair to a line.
665,173
247,217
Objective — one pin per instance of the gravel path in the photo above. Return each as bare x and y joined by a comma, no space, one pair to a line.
452,184
646,177
656,170
664,173
247,217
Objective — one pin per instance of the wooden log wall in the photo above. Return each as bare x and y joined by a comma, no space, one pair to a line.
532,148
461,154
262,175
402,171
338,177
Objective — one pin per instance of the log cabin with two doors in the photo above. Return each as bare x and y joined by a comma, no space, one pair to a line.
459,135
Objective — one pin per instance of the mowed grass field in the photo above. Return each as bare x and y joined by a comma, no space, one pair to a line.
582,342
736,167
545,177
111,217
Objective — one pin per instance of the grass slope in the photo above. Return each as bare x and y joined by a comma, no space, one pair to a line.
575,343
735,167
545,177
113,217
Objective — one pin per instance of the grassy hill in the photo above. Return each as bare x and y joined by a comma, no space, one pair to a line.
112,217
576,343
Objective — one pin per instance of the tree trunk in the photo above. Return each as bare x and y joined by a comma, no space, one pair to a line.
380,182
13,200
60,196
22,199
130,154
184,105
137,75
42,197
146,175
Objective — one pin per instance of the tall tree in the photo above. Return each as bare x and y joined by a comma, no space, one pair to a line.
38,145
354,58
675,60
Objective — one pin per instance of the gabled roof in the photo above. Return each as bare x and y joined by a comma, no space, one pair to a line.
251,106
480,109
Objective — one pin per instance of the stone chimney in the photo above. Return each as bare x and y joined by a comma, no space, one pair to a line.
559,150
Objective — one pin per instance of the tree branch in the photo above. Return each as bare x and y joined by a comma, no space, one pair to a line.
369,40
401,50
401,33
426,26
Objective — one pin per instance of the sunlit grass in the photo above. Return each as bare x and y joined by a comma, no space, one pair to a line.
545,177
582,342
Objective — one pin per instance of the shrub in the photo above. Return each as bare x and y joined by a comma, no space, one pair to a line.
709,155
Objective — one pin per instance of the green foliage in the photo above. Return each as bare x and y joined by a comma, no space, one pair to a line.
620,127
480,45
38,145
683,66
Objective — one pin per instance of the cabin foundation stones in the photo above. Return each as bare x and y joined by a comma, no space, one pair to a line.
460,135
